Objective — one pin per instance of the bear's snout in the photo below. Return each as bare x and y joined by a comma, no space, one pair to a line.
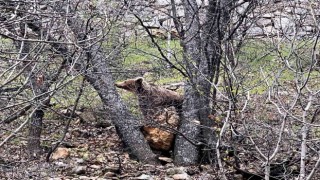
117,85
121,85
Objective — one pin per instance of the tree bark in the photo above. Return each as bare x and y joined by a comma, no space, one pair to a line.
36,119
127,125
35,129
186,153
38,87
202,56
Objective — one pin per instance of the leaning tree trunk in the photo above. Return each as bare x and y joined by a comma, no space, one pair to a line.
127,125
100,77
102,80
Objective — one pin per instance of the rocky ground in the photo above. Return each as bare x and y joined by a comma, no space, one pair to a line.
91,150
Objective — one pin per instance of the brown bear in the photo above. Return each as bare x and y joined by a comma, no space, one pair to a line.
159,107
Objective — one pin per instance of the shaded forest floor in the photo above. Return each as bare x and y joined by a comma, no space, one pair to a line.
91,150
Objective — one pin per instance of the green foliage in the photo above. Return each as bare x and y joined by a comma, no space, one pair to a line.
141,56
263,63
4,43
132,102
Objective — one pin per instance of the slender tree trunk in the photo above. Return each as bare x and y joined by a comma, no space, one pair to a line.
35,129
39,87
37,83
304,134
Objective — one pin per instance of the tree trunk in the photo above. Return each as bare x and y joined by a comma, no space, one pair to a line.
39,87
186,153
127,125
35,129
202,56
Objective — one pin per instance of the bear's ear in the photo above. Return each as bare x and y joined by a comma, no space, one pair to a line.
139,81
139,85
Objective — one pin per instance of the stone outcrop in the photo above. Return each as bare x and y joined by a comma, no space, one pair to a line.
272,18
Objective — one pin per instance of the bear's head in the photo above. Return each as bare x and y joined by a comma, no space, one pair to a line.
133,85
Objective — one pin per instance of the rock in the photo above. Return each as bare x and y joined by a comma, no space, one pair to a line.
237,177
205,167
181,176
79,170
86,155
112,168
169,165
80,133
61,164
44,174
109,174
68,136
158,33
177,170
60,153
191,171
207,177
166,159
95,166
144,176
89,178
84,177
101,158
168,178
80,161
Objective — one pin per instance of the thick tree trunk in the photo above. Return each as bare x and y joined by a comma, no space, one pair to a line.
186,153
202,56
217,20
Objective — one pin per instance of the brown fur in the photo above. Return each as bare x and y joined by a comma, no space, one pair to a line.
151,96
159,107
